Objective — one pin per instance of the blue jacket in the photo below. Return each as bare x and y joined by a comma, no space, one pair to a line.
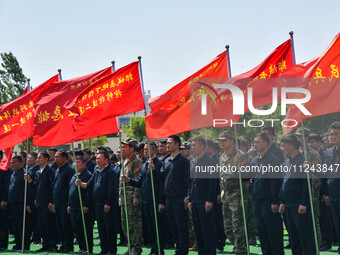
45,185
176,176
331,185
86,194
277,152
63,176
294,190
104,185
144,182
16,188
202,189
90,166
266,188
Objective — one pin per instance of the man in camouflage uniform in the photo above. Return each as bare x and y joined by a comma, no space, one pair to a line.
132,167
230,192
314,158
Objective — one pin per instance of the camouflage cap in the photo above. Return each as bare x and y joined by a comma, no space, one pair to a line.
226,135
299,131
185,145
131,142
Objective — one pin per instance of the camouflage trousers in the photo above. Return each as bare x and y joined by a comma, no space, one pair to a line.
135,223
233,215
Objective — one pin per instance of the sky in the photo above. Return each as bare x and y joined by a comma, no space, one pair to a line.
174,38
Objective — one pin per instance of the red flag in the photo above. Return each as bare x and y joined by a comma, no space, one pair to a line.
53,123
171,111
116,94
321,77
6,160
16,117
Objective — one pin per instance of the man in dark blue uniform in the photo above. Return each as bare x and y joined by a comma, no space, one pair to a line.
89,163
331,185
176,170
202,199
104,184
63,176
144,182
5,176
52,163
295,200
74,207
16,191
273,148
43,201
265,192
33,172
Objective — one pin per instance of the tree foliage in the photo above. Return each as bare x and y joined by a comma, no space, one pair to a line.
94,143
23,146
12,79
136,128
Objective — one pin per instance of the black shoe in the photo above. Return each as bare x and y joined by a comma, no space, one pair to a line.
61,248
42,249
325,247
288,246
53,250
169,246
122,243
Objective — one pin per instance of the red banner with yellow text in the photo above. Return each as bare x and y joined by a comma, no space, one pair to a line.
53,123
116,94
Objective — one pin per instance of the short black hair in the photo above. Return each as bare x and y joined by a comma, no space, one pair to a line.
102,148
201,140
140,146
163,141
335,125
63,153
33,154
153,144
23,153
270,130
18,158
106,155
113,158
52,149
292,140
316,137
87,150
210,143
45,154
176,139
79,153
81,158
264,137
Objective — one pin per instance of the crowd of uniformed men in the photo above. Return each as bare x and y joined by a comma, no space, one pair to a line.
193,213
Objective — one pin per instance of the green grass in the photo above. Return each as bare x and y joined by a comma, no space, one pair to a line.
121,250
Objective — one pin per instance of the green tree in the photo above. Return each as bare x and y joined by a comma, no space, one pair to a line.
12,79
94,143
23,146
136,129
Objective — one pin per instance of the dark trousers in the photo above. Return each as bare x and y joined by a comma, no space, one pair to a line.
335,207
34,224
205,230
64,225
219,226
4,227
326,224
119,226
178,219
269,228
107,228
78,229
46,221
148,211
301,233
16,212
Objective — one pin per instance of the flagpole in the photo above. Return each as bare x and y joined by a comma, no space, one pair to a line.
238,167
291,33
80,200
25,191
149,154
